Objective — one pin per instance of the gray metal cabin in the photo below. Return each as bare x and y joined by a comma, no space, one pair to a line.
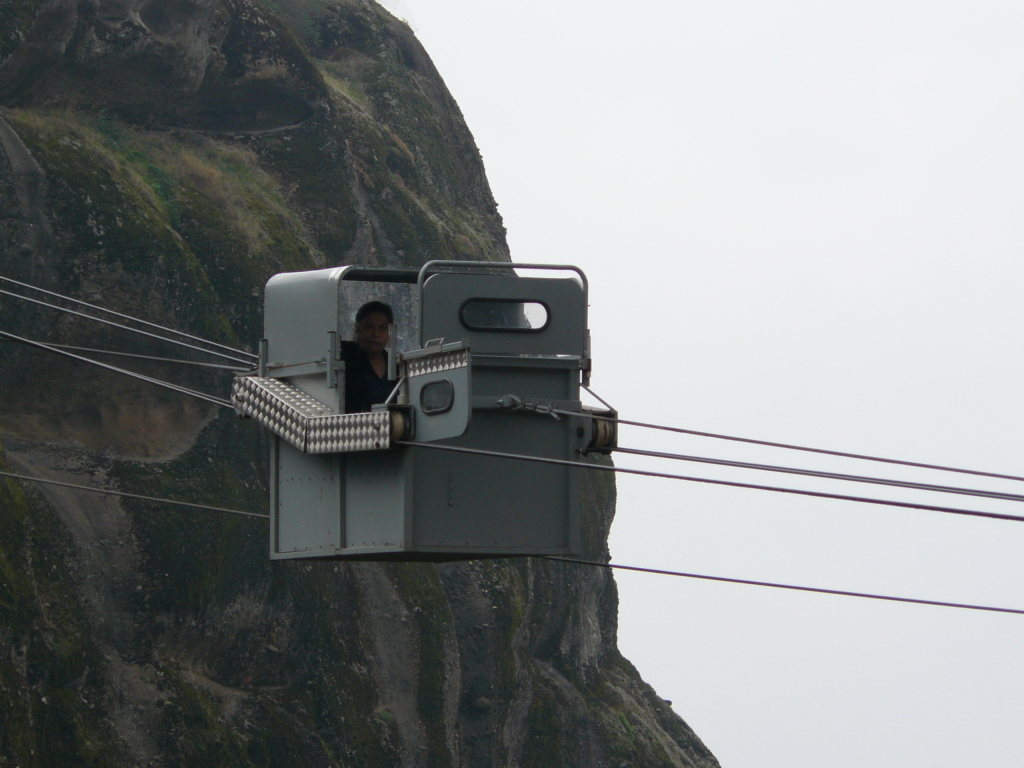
486,359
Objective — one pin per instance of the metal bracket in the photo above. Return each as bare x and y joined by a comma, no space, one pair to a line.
263,358
587,362
306,423
332,358
394,391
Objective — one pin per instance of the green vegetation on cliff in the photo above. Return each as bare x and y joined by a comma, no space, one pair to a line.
51,672
199,211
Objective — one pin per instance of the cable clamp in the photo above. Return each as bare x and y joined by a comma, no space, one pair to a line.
515,403
539,407
510,403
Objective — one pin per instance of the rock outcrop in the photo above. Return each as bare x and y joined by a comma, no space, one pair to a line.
163,158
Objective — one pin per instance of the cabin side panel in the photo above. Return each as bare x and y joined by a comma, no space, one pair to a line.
307,504
377,486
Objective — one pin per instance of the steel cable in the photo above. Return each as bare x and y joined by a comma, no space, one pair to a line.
128,317
789,446
126,328
614,566
710,481
539,407
132,495
819,590
826,475
174,387
174,360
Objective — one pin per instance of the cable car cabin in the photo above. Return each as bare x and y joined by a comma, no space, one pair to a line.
481,359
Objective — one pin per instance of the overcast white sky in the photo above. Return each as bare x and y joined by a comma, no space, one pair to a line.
802,222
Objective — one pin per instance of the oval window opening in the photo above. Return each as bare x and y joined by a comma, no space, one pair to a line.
437,397
504,315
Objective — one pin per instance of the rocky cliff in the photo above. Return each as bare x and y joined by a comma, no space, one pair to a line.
164,158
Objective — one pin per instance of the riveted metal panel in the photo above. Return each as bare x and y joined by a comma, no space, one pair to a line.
489,504
376,494
307,505
495,505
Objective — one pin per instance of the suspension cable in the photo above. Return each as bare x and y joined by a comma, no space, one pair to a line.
710,481
128,317
775,585
178,361
597,397
614,566
133,495
125,327
826,475
174,387
788,446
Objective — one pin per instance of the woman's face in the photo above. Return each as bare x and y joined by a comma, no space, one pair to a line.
373,333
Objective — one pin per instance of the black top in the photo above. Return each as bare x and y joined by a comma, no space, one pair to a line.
363,387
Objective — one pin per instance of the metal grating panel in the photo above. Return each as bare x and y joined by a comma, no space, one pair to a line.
279,407
306,423
345,432
443,361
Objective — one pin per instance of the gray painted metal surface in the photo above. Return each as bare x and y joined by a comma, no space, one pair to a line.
444,296
307,503
488,379
435,370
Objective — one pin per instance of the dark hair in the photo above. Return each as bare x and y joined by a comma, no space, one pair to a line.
375,306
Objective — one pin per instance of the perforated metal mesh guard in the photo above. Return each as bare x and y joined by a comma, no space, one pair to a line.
443,361
306,423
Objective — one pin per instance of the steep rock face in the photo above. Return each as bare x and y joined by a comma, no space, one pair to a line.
219,65
164,158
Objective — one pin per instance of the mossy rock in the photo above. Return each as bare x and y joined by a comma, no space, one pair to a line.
51,675
16,18
320,134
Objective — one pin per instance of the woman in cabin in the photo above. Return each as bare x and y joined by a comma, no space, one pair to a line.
366,358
